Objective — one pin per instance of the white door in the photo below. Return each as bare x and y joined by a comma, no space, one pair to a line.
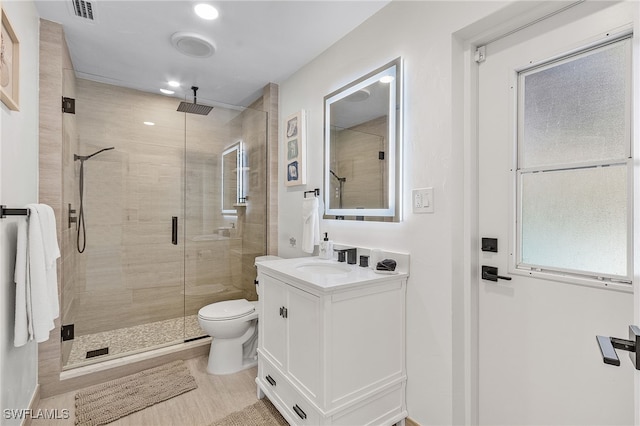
554,190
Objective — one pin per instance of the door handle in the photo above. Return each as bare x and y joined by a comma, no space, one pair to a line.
608,346
174,230
490,273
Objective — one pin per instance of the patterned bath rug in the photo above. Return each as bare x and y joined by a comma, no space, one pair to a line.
262,413
107,402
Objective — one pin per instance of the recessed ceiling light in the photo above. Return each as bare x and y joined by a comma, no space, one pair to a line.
173,83
149,123
206,11
387,79
167,91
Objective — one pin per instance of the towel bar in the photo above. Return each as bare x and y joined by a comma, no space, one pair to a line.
315,192
4,212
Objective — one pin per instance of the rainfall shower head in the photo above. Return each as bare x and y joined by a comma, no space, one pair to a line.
77,157
194,108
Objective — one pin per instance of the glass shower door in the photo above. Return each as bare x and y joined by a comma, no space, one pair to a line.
225,207
126,292
143,275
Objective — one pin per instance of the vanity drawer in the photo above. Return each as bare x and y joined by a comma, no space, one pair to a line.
297,406
298,410
270,377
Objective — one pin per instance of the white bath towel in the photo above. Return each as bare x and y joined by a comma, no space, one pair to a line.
310,224
36,276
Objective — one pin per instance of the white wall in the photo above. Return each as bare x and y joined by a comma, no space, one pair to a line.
421,33
18,186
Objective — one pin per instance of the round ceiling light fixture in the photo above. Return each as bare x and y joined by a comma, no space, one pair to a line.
206,11
192,44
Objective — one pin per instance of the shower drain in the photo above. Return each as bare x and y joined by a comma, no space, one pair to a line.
97,352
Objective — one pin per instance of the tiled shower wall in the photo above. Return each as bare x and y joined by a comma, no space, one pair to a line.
130,273
58,175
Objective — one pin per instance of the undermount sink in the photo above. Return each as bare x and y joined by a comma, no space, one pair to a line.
323,268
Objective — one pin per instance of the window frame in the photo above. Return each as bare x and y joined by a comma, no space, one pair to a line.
516,265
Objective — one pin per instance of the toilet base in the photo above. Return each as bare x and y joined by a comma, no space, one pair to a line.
226,355
217,371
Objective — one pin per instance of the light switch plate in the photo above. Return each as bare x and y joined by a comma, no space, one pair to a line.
422,200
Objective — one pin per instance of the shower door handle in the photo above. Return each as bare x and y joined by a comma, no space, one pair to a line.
174,230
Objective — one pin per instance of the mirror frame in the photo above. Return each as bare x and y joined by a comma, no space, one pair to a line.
393,210
239,164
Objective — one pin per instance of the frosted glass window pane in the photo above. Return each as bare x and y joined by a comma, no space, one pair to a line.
576,220
576,111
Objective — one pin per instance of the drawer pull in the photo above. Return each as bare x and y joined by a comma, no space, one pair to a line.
299,412
270,380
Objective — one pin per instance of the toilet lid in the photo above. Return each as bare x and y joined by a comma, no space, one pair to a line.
229,309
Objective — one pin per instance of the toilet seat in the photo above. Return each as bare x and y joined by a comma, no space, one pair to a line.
226,310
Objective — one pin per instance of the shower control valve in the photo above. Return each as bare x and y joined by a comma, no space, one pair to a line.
72,216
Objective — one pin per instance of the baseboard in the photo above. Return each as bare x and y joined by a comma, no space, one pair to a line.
409,422
33,405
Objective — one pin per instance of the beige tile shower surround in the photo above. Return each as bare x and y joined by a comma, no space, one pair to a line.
130,274
58,187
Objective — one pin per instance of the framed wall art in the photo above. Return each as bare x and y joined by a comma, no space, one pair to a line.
294,148
9,65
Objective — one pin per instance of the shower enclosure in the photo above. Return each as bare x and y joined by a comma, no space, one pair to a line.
159,242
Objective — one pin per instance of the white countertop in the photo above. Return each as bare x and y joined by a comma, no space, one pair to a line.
304,271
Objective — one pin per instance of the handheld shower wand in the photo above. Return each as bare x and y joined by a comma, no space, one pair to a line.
341,181
80,221
77,157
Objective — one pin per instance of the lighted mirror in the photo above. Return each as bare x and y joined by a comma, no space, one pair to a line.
233,189
362,147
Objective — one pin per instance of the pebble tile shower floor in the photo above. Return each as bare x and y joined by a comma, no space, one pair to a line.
134,339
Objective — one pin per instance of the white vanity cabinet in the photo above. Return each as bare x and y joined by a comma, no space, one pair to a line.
291,330
332,348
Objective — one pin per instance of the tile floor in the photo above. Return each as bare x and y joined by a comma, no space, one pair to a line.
215,397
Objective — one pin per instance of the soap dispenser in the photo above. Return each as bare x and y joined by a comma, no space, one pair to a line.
326,248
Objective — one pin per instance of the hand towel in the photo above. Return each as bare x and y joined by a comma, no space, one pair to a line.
23,302
310,224
36,276
51,254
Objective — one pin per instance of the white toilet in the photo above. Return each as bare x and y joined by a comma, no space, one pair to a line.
233,325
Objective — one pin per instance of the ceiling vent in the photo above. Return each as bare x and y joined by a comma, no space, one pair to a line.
83,9
192,44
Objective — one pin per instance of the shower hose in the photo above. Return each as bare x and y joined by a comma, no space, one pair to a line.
81,227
